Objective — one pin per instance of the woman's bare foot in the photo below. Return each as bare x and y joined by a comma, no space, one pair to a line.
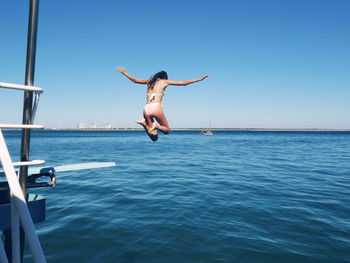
144,124
141,122
152,132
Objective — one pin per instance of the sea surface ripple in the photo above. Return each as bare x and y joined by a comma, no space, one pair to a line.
230,197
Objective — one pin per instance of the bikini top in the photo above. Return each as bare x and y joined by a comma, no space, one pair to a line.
152,96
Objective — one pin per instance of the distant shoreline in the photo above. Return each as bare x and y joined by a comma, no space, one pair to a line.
214,129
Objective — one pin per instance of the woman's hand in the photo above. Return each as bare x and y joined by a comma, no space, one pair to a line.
121,70
206,76
133,79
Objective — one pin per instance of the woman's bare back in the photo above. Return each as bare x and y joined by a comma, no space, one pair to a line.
155,94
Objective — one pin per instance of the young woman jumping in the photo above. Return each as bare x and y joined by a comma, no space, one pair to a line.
154,118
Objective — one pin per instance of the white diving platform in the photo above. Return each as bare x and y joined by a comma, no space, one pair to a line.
71,167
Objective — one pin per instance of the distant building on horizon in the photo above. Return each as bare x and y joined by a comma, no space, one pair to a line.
81,126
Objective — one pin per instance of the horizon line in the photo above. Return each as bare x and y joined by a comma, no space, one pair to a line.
199,129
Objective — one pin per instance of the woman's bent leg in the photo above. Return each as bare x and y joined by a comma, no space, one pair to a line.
163,123
149,127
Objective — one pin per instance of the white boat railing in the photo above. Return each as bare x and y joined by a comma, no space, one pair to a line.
19,209
37,91
21,126
28,163
20,87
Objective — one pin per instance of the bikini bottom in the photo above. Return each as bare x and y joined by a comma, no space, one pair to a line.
153,109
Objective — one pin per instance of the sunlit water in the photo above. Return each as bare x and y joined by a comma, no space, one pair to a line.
230,197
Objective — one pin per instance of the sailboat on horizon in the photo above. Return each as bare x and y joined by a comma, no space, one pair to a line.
207,131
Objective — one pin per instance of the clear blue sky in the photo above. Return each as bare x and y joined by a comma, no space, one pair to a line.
278,64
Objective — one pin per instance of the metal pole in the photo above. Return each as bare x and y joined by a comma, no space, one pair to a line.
28,95
28,101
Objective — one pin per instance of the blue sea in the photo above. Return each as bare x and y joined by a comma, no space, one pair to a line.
230,197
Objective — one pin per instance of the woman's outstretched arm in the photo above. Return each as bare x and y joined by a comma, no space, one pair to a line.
185,82
133,79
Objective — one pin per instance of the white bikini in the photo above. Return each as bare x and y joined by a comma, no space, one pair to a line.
153,108
152,96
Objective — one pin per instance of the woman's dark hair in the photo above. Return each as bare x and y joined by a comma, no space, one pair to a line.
155,77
